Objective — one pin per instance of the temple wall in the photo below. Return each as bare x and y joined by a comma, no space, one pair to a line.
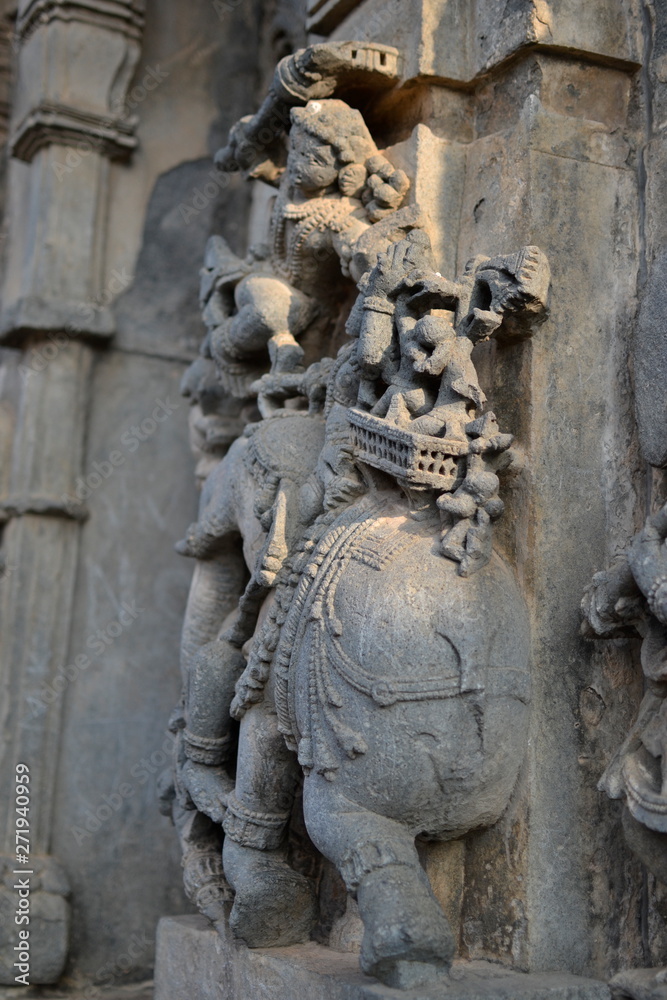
529,122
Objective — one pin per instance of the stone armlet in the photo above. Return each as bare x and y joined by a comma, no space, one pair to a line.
374,303
261,830
657,595
208,750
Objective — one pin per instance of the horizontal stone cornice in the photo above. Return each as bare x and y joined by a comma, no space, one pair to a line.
43,506
51,123
113,14
460,44
79,320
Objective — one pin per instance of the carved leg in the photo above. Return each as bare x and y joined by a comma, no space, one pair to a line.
650,846
285,353
273,904
269,312
213,672
453,539
203,878
407,939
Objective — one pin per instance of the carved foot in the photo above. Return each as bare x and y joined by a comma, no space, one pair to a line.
274,906
286,355
407,941
208,787
205,883
640,984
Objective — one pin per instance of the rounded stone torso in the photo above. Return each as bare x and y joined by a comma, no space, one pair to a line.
302,240
409,684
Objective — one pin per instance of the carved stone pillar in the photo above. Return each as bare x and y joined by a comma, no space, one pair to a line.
68,120
74,63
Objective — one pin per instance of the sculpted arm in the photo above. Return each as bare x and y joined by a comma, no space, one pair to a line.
217,510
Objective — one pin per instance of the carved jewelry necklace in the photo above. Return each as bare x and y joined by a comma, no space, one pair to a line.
316,215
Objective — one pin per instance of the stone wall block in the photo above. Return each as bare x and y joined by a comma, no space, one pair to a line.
559,510
55,279
438,167
650,358
453,40
47,406
33,648
191,959
115,745
53,409
69,64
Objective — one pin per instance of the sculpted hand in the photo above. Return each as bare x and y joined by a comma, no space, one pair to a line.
612,602
647,558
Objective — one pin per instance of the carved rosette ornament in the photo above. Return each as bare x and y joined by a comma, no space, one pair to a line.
350,626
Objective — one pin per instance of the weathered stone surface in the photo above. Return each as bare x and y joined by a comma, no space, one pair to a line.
134,991
54,283
639,984
125,625
386,497
49,921
650,361
77,217
458,42
517,123
193,961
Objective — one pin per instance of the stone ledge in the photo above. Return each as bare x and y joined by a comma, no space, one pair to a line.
460,43
77,319
193,961
132,991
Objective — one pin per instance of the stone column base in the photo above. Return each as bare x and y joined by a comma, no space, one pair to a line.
193,961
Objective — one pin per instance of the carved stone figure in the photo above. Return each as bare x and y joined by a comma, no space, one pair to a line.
630,598
379,651
268,299
335,210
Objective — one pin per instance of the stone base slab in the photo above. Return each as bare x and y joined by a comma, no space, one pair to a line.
193,962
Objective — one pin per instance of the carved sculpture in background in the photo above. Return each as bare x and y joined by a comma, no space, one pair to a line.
630,598
351,635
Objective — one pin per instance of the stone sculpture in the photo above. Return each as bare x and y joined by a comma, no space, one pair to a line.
630,598
350,625
335,208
